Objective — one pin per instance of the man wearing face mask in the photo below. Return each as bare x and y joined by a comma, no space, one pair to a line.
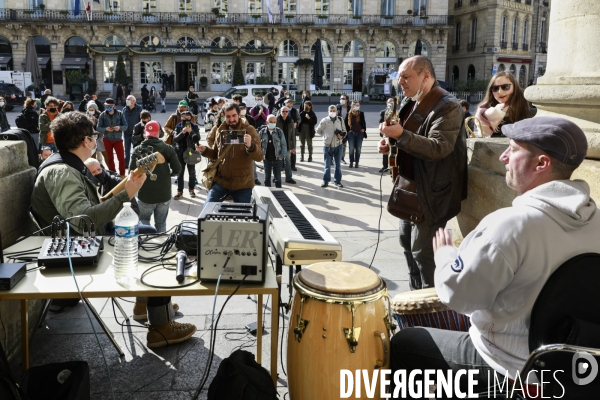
435,156
259,112
333,130
112,124
140,128
46,117
131,112
244,114
342,111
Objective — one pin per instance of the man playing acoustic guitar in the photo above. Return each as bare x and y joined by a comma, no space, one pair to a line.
428,146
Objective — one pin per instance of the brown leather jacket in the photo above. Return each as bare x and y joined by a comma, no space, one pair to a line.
236,171
439,148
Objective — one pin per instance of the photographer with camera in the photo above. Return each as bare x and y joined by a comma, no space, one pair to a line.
187,137
333,130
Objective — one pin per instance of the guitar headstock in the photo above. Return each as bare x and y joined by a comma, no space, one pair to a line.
391,112
148,160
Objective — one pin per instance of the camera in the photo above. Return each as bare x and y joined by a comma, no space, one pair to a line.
188,124
340,133
232,137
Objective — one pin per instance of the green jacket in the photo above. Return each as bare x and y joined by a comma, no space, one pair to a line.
62,190
158,191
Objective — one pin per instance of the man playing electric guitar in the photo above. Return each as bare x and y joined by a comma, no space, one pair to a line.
430,140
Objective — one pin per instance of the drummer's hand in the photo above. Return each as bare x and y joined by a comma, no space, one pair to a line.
443,237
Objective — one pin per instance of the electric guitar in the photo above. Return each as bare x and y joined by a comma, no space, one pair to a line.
391,114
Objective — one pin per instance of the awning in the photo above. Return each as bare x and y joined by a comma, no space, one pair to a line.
42,61
74,62
515,60
5,59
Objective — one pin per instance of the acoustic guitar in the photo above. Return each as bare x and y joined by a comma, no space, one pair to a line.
145,165
389,115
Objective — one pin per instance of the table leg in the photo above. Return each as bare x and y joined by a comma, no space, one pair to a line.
259,330
274,336
24,335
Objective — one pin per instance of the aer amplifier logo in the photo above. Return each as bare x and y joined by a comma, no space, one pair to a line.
585,368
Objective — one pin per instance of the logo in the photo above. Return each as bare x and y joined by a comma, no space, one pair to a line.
457,265
585,368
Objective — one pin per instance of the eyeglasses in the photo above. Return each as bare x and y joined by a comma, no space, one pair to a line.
93,137
285,112
504,87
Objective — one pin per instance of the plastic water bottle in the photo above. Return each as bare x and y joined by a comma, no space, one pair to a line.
126,245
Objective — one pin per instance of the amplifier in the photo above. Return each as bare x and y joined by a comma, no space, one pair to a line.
84,251
236,229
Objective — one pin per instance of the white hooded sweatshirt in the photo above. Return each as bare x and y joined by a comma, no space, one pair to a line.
500,268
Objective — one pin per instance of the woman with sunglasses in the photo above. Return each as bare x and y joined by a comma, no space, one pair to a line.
504,103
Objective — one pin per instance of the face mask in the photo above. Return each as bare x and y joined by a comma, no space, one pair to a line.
145,122
342,101
306,109
259,102
109,108
52,110
94,149
271,126
356,108
303,96
1,104
287,96
332,115
91,112
222,119
419,93
242,112
128,103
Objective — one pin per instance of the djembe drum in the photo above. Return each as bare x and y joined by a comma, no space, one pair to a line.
339,320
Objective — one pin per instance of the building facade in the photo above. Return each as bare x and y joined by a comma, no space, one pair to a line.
202,38
488,36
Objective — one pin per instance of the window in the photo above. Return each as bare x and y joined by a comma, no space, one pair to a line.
388,7
325,49
501,68
256,43
513,69
287,75
220,5
255,7
185,7
386,49
288,48
75,45
322,7
148,6
221,42
474,30
503,29
254,70
525,23
420,7
289,7
471,72
150,41
220,73
34,4
354,8
348,73
412,47
109,5
114,40
457,35
354,48
150,72
187,41
514,30
543,31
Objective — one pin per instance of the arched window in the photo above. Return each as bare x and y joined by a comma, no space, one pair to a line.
471,72
114,40
513,69
75,45
501,68
455,73
386,49
150,41
221,41
412,48
288,48
523,76
256,43
187,41
325,49
354,48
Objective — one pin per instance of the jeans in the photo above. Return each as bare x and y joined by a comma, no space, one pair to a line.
127,140
344,151
275,166
306,138
430,348
355,140
191,172
160,211
116,146
288,165
417,242
163,101
336,154
218,193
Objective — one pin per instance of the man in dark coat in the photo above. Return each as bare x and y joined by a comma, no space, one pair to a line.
172,81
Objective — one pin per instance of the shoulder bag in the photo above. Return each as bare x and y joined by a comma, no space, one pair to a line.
404,202
210,171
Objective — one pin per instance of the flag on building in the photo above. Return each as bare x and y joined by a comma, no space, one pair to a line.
77,7
281,10
270,11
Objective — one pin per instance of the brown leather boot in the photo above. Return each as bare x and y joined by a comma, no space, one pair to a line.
140,312
170,333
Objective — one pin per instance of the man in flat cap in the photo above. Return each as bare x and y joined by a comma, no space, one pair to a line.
500,268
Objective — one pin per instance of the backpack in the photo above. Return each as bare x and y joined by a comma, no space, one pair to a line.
24,135
241,378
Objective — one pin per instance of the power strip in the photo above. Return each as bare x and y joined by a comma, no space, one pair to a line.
84,251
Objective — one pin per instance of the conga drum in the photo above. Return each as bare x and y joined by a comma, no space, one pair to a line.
424,308
339,321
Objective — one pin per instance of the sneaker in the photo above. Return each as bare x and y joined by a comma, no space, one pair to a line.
338,184
192,194
178,196
343,161
170,333
257,182
294,169
140,311
324,184
290,181
382,170
309,158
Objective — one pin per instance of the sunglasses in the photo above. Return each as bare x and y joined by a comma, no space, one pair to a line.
504,87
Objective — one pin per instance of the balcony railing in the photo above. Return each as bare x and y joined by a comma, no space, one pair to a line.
471,46
135,17
455,48
525,47
515,46
503,45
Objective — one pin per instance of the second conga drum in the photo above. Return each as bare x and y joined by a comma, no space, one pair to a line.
339,321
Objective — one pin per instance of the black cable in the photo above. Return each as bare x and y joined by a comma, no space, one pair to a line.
213,338
281,341
380,215
154,267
